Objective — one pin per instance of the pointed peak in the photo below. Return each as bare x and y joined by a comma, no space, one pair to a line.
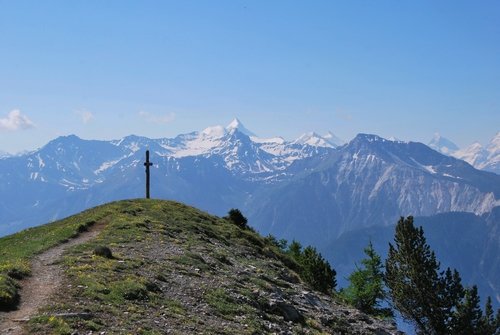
442,144
236,124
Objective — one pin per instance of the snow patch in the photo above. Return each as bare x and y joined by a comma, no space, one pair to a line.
450,176
430,168
273,140
41,163
134,147
106,165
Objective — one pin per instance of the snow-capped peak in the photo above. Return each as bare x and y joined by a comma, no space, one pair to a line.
483,158
474,154
494,145
314,140
236,124
442,145
333,139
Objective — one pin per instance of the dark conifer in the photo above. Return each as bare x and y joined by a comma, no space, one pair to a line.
418,290
468,316
235,216
490,325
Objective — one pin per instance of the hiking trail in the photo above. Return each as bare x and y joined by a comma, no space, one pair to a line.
46,276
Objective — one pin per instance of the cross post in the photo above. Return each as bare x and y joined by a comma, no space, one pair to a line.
147,164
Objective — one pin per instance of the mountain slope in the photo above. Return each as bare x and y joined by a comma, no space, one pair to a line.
372,181
179,270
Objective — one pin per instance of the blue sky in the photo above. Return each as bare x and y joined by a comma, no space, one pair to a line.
107,69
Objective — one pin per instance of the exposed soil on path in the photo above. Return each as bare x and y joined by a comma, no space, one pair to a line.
46,277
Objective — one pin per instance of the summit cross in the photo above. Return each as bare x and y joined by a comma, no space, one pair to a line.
147,164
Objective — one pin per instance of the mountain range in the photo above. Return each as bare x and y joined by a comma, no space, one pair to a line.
315,189
481,157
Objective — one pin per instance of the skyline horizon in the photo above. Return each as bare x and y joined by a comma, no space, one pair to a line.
323,135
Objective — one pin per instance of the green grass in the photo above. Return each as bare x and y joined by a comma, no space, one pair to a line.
173,306
17,250
50,324
223,303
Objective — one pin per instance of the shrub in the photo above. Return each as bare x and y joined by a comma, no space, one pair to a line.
235,216
82,228
103,252
281,244
317,271
9,296
314,269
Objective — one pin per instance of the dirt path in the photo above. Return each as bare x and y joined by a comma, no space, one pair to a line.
45,279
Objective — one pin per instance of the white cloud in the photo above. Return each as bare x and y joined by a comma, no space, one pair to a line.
166,118
15,121
85,115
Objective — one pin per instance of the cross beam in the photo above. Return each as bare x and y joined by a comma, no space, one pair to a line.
147,164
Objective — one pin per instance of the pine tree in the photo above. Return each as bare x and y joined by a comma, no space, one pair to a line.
366,285
418,290
490,325
317,271
468,318
295,250
314,269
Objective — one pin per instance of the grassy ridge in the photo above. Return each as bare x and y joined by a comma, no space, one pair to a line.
174,270
158,245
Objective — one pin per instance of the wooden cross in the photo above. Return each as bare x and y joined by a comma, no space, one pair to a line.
147,164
